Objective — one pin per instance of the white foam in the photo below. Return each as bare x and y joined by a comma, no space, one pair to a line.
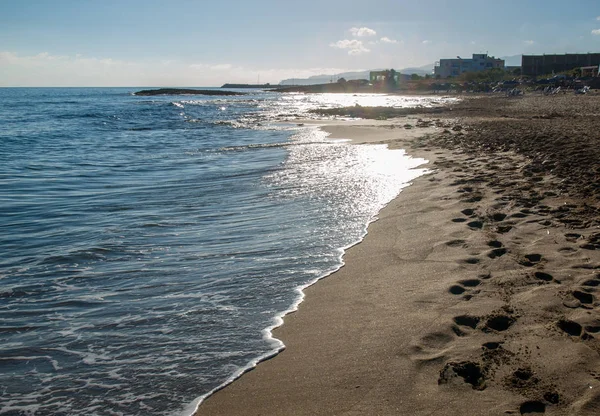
307,136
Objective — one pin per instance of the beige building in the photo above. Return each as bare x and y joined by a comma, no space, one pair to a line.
479,62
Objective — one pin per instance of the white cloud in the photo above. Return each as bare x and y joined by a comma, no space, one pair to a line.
347,44
385,39
528,42
355,47
362,31
215,67
598,18
596,32
426,42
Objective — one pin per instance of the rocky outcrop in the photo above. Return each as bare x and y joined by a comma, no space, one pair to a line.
185,91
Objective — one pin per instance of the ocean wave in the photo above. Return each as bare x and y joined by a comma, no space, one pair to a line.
166,251
90,254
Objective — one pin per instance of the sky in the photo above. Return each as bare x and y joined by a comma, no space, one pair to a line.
210,42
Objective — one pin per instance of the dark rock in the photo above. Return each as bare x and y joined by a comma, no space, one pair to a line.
185,91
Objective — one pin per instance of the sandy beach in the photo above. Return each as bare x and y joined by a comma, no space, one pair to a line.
474,293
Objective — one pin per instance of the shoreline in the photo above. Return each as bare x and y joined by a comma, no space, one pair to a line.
193,407
478,301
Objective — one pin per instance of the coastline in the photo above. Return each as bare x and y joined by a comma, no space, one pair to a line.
467,296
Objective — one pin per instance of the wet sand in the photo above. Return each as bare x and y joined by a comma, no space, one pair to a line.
476,290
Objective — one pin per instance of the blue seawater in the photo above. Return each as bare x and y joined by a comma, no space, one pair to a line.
149,244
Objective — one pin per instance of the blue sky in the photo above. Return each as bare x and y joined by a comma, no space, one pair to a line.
207,43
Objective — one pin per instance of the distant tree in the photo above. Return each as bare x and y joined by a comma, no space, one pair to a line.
415,77
342,80
490,75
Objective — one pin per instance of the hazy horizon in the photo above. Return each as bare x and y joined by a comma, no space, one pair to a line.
188,43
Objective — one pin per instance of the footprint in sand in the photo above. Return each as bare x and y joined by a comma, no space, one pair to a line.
570,327
431,347
503,229
470,260
583,297
470,282
531,260
572,237
467,320
497,252
471,194
497,217
463,286
475,197
591,283
522,377
546,277
552,397
457,290
469,212
475,225
457,243
532,407
471,372
498,323
567,250
593,329
462,321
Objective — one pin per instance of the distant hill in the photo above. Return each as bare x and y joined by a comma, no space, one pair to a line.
326,78
421,70
348,76
513,60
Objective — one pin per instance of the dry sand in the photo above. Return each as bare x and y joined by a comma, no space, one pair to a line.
475,291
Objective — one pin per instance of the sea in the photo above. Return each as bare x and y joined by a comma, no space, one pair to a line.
149,245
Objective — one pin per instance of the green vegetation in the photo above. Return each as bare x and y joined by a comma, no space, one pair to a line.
490,75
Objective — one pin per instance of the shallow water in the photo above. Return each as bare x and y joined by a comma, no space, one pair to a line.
149,244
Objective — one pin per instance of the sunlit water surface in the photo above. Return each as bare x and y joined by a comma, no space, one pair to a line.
149,244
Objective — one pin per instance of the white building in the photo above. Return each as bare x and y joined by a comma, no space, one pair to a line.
480,62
